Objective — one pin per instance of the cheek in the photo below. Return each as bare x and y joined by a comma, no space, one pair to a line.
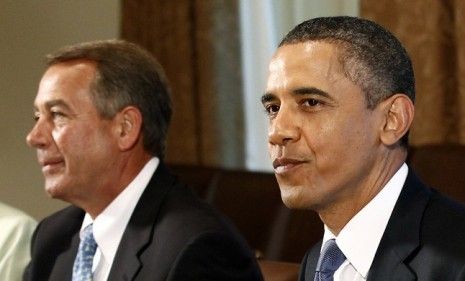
345,128
332,142
73,141
321,136
270,150
348,143
62,139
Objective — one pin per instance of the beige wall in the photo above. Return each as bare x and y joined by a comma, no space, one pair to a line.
29,29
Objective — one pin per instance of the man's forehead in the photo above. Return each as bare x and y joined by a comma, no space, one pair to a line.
63,82
74,73
307,48
83,69
306,55
301,61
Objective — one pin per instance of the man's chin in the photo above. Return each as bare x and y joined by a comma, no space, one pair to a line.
292,198
54,192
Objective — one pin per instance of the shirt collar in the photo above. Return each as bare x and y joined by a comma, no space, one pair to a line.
109,226
360,237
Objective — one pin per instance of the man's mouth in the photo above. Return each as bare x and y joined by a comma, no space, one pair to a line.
283,165
50,165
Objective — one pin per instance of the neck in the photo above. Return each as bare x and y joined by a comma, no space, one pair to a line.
121,175
336,216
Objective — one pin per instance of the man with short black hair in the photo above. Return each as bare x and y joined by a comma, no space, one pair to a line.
340,101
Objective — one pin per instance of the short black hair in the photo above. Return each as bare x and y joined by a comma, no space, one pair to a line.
372,57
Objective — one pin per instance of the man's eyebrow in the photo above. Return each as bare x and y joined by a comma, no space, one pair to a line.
57,102
267,97
51,103
311,91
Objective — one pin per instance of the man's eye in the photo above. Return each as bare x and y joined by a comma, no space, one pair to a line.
35,117
271,108
57,114
311,102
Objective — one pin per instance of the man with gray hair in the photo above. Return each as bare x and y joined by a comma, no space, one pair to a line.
102,113
340,101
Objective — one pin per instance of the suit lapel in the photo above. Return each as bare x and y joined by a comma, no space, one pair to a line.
401,238
139,231
66,244
307,269
63,267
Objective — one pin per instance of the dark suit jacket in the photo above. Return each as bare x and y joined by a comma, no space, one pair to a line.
424,239
170,236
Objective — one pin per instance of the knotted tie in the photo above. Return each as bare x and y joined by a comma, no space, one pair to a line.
330,259
82,269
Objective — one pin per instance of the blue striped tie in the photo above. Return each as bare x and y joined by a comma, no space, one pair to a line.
82,269
330,260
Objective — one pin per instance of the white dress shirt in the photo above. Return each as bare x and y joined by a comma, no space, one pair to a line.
109,226
360,237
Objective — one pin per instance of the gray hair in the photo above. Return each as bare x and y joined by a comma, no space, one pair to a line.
126,75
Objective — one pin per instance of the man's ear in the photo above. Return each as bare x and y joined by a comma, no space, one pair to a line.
128,124
398,113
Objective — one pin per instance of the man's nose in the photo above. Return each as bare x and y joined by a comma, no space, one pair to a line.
283,128
38,137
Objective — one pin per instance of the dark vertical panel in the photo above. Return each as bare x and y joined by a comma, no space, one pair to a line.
165,29
220,83
197,42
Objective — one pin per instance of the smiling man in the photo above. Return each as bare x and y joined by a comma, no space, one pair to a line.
340,101
102,113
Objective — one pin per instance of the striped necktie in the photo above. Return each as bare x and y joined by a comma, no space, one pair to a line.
82,269
330,259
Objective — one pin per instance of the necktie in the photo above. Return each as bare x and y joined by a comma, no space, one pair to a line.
82,269
330,259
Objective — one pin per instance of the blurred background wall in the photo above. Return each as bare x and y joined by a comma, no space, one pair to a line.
199,43
30,29
215,53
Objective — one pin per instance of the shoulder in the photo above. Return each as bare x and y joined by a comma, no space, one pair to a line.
441,219
425,231
67,216
215,256
446,217
183,210
179,207
441,235
191,240
58,226
8,213
15,222
17,228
